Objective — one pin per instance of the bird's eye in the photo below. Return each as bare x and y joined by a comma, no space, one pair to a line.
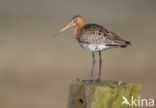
76,19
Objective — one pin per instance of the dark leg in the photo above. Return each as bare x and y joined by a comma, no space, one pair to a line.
100,63
92,71
93,65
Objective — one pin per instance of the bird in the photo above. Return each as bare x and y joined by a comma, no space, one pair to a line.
94,38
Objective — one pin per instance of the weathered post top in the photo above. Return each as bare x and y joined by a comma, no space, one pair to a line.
104,94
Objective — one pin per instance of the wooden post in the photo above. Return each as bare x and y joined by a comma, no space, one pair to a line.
105,94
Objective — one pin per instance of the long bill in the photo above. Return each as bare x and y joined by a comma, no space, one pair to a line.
65,28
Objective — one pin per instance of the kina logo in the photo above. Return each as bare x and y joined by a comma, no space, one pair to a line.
137,102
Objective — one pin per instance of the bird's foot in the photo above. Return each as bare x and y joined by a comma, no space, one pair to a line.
87,81
91,80
98,80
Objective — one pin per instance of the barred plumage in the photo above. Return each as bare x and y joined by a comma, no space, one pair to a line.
95,37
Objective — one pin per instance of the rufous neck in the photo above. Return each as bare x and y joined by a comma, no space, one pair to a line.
78,27
81,24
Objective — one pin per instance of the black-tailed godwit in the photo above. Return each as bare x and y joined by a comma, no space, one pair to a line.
95,38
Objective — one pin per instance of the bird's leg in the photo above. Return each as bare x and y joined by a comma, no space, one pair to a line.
100,63
92,71
93,65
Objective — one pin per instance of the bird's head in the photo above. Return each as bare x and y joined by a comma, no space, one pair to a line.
77,21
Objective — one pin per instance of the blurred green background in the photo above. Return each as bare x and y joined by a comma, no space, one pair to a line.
36,69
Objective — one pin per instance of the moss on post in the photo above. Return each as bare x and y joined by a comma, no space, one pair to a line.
105,94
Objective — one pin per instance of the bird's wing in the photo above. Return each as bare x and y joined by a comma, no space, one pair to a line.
96,34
